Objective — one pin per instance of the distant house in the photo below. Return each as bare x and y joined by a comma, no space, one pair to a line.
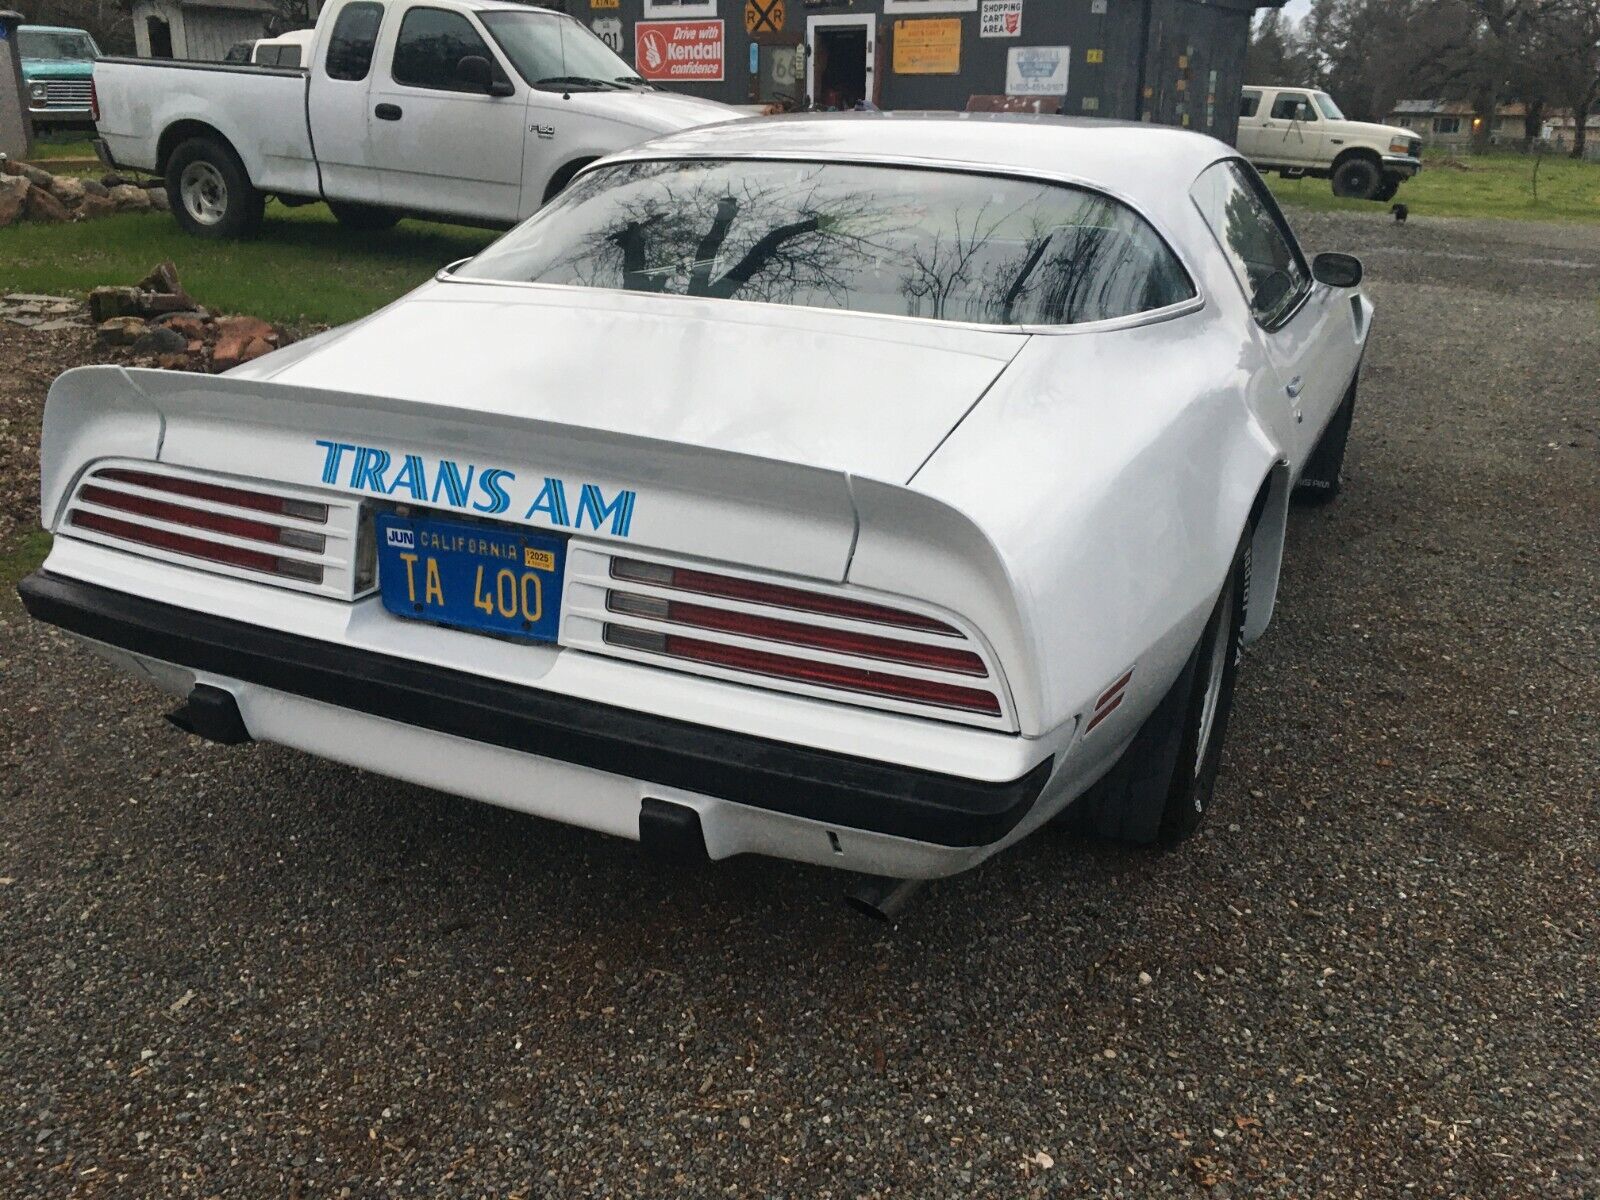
197,30
1455,122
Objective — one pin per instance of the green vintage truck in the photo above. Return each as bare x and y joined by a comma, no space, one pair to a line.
57,65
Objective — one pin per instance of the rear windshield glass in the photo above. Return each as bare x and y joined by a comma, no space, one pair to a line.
912,243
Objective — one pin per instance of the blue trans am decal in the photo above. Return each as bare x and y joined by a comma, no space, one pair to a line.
471,488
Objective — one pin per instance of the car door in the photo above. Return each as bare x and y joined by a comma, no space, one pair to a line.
337,109
444,145
1302,326
1294,131
1251,124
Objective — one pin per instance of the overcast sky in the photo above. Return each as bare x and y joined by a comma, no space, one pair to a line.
1297,8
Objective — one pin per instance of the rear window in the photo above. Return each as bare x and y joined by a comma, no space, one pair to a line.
914,243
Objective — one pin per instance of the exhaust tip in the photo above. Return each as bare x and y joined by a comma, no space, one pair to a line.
883,899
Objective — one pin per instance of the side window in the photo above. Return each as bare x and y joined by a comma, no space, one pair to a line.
1249,104
351,43
430,44
1257,244
288,56
1292,108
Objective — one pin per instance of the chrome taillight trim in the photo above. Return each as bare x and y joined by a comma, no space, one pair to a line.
318,546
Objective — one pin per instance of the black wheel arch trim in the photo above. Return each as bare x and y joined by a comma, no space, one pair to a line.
836,789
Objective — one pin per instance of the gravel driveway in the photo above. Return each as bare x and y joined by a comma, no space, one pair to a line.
247,973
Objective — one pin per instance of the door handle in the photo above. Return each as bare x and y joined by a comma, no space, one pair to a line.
1294,387
387,112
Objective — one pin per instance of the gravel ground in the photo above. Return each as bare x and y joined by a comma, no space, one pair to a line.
243,972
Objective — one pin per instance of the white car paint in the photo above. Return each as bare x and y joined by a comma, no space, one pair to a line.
302,133
1067,499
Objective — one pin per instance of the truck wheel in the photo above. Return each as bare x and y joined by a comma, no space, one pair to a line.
210,191
1391,185
363,218
1323,477
1357,178
1161,787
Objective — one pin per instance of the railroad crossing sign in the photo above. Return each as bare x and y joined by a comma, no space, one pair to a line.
764,16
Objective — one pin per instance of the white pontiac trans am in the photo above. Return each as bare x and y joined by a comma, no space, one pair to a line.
859,490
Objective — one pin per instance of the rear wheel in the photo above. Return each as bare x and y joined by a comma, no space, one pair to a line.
363,218
1357,178
210,192
1162,785
1323,477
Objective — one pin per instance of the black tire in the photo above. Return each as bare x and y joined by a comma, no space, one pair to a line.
1357,178
363,218
210,191
1386,191
1323,478
1161,787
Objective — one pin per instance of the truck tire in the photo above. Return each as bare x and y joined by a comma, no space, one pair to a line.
363,218
1391,185
1357,178
1161,787
210,191
1323,477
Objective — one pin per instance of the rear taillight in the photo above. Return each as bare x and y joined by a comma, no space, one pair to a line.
94,102
808,638
318,544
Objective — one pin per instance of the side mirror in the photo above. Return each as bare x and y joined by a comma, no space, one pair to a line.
475,73
1336,270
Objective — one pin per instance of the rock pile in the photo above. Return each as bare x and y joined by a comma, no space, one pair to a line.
29,193
156,317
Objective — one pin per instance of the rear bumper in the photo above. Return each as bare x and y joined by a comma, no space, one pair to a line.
103,153
295,690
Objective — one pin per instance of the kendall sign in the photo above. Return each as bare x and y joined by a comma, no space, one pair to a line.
679,51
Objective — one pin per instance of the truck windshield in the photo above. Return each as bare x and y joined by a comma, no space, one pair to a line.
1330,110
58,44
554,51
914,243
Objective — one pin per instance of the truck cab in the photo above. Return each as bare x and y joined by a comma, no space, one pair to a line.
57,65
1301,131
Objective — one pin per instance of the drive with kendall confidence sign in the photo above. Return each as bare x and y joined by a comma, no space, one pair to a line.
679,51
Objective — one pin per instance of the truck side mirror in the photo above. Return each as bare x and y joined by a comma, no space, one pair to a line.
475,74
1336,270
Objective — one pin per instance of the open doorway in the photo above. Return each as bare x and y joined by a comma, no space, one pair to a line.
159,34
839,62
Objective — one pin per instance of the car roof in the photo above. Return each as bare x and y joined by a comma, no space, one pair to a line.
1146,164
52,28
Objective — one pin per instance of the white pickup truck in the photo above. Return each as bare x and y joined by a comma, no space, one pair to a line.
1300,131
470,111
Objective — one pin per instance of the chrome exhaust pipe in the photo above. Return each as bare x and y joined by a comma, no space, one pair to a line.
883,898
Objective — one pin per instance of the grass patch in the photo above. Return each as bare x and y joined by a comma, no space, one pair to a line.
22,558
43,150
1493,185
303,269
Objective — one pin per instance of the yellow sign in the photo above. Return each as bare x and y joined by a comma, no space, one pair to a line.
539,560
605,3
1094,56
924,47
764,16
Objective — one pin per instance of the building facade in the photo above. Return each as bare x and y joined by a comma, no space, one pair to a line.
1177,62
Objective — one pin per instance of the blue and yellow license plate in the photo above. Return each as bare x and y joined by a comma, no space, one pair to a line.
474,577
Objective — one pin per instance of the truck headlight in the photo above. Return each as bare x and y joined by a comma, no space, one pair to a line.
1400,146
38,92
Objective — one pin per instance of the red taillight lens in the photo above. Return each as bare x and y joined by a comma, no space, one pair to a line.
729,588
94,102
303,510
916,654
235,556
783,666
179,514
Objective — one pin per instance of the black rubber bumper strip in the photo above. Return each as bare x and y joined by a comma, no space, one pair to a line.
836,789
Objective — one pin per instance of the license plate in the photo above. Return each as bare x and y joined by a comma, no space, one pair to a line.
502,581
